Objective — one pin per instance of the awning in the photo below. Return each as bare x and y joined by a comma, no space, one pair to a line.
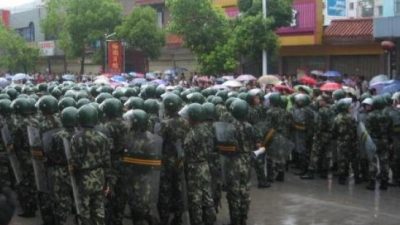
349,30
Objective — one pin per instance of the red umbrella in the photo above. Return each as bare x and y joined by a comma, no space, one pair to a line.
307,80
284,88
330,86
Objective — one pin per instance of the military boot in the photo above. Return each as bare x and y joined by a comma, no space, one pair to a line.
308,176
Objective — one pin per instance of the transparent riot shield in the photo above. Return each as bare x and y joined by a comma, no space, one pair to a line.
366,142
74,186
12,157
39,169
280,147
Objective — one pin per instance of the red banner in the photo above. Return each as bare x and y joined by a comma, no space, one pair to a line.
115,56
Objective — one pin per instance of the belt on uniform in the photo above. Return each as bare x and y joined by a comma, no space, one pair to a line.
226,148
396,129
141,162
299,126
37,153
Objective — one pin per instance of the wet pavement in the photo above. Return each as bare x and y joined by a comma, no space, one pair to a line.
316,202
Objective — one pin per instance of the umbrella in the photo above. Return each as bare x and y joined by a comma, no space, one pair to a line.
70,77
138,81
246,77
118,79
350,90
220,87
332,73
219,80
305,88
228,77
136,75
330,86
232,84
21,76
317,72
269,79
378,79
393,87
256,91
158,82
3,82
102,80
307,80
150,76
283,88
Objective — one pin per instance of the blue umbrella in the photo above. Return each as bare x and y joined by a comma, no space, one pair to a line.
139,81
118,79
70,77
391,87
381,78
332,73
158,82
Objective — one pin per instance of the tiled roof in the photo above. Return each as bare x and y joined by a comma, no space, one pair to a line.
349,29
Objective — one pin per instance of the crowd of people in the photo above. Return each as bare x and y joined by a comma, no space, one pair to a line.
89,150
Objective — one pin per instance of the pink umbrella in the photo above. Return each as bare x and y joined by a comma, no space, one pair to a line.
330,86
246,77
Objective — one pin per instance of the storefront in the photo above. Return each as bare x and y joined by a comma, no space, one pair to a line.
347,45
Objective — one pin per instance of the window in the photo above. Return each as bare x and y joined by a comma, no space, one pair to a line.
27,33
351,5
397,7
380,10
160,19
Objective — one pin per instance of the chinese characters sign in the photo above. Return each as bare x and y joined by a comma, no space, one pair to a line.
115,56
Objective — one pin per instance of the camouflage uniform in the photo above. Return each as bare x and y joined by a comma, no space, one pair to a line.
154,123
91,163
344,129
364,161
237,169
6,174
379,127
46,200
57,162
116,130
173,129
198,176
26,189
394,114
321,151
223,114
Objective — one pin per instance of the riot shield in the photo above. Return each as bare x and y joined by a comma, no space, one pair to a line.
46,139
367,144
74,186
280,147
225,137
142,161
38,159
12,157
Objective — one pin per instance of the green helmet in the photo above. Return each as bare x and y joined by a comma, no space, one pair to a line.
28,90
234,94
245,96
364,96
112,107
118,93
69,117
138,119
70,93
131,92
66,102
82,102
21,106
93,91
48,104
149,92
56,93
275,99
12,92
209,111
134,103
284,101
151,106
216,100
88,116
223,95
343,105
160,90
195,112
42,87
103,96
302,100
5,107
4,96
229,101
81,95
339,94
184,95
388,99
172,102
239,109
18,88
378,102
105,89
195,97
100,113
210,98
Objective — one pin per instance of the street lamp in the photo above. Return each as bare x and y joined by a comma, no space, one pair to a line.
264,53
106,37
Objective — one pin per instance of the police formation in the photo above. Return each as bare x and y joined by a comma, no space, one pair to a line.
88,151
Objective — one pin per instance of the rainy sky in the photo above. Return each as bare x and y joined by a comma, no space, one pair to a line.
12,3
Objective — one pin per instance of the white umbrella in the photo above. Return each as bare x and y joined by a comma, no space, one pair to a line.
21,76
3,82
232,84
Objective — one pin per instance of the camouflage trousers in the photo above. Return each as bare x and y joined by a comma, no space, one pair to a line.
259,165
395,159
90,186
6,174
320,155
63,196
170,199
115,205
26,190
346,157
379,166
238,187
216,178
200,201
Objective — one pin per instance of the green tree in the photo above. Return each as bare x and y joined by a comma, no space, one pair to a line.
79,24
16,54
141,32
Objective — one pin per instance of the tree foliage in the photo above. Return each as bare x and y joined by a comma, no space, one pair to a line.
79,24
141,32
218,42
16,54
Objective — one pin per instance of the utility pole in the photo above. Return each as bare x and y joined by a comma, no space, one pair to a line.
264,53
